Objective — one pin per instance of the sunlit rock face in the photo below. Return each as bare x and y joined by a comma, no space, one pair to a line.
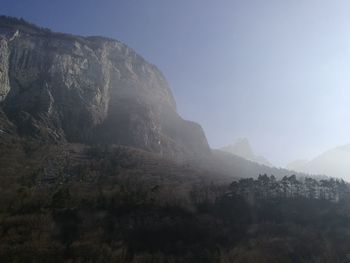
4,60
59,87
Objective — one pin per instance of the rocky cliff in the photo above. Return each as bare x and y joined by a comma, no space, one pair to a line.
58,87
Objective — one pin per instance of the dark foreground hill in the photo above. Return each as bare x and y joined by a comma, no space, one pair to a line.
78,203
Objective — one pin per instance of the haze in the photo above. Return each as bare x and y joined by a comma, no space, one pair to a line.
275,72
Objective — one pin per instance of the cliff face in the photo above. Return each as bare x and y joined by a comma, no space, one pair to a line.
59,87
4,59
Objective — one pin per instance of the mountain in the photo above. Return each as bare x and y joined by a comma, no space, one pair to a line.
64,89
61,88
243,149
334,163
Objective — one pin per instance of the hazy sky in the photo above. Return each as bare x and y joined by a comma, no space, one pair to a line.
274,71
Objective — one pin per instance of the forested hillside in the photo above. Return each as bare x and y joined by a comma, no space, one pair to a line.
118,204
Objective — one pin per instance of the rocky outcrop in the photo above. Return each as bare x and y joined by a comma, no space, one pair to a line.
4,77
59,87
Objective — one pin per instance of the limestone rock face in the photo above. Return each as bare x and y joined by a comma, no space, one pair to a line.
59,87
4,60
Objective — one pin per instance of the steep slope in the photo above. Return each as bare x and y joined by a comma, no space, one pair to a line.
227,164
243,149
58,87
334,163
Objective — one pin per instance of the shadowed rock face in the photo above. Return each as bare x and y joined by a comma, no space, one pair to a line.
59,87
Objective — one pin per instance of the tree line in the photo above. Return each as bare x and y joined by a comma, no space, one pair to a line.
267,187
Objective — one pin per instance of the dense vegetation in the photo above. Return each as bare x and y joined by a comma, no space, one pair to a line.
96,204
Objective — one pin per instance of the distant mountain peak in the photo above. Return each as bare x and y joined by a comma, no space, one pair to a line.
334,162
243,149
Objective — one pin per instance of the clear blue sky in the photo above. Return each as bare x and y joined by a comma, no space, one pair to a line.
275,71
